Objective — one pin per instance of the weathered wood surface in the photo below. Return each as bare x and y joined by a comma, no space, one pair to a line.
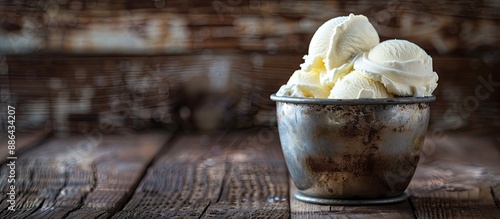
72,177
24,141
240,174
135,65
254,46
235,174
195,92
166,26
209,91
457,177
496,194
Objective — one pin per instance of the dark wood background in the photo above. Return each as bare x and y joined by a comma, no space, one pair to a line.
119,66
81,71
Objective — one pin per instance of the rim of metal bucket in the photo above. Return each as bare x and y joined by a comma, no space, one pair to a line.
362,101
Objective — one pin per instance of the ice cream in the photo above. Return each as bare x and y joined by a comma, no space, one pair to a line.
401,66
356,85
331,55
335,43
346,60
305,84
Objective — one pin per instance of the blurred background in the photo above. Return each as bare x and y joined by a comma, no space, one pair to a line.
119,66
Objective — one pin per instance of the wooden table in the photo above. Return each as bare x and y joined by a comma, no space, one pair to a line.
237,174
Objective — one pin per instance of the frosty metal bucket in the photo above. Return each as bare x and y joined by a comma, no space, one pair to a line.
350,152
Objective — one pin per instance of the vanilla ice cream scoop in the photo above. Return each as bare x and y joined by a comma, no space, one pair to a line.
335,44
304,84
346,60
355,86
401,66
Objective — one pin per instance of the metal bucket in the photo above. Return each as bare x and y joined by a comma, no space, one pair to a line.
351,152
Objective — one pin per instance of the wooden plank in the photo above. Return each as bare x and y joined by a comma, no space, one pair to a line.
117,178
40,177
495,191
255,183
157,27
299,209
252,190
65,177
237,175
108,89
24,140
457,178
181,182
473,202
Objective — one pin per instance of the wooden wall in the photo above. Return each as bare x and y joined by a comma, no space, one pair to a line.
117,65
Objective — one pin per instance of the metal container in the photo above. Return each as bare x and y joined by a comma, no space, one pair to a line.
350,152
